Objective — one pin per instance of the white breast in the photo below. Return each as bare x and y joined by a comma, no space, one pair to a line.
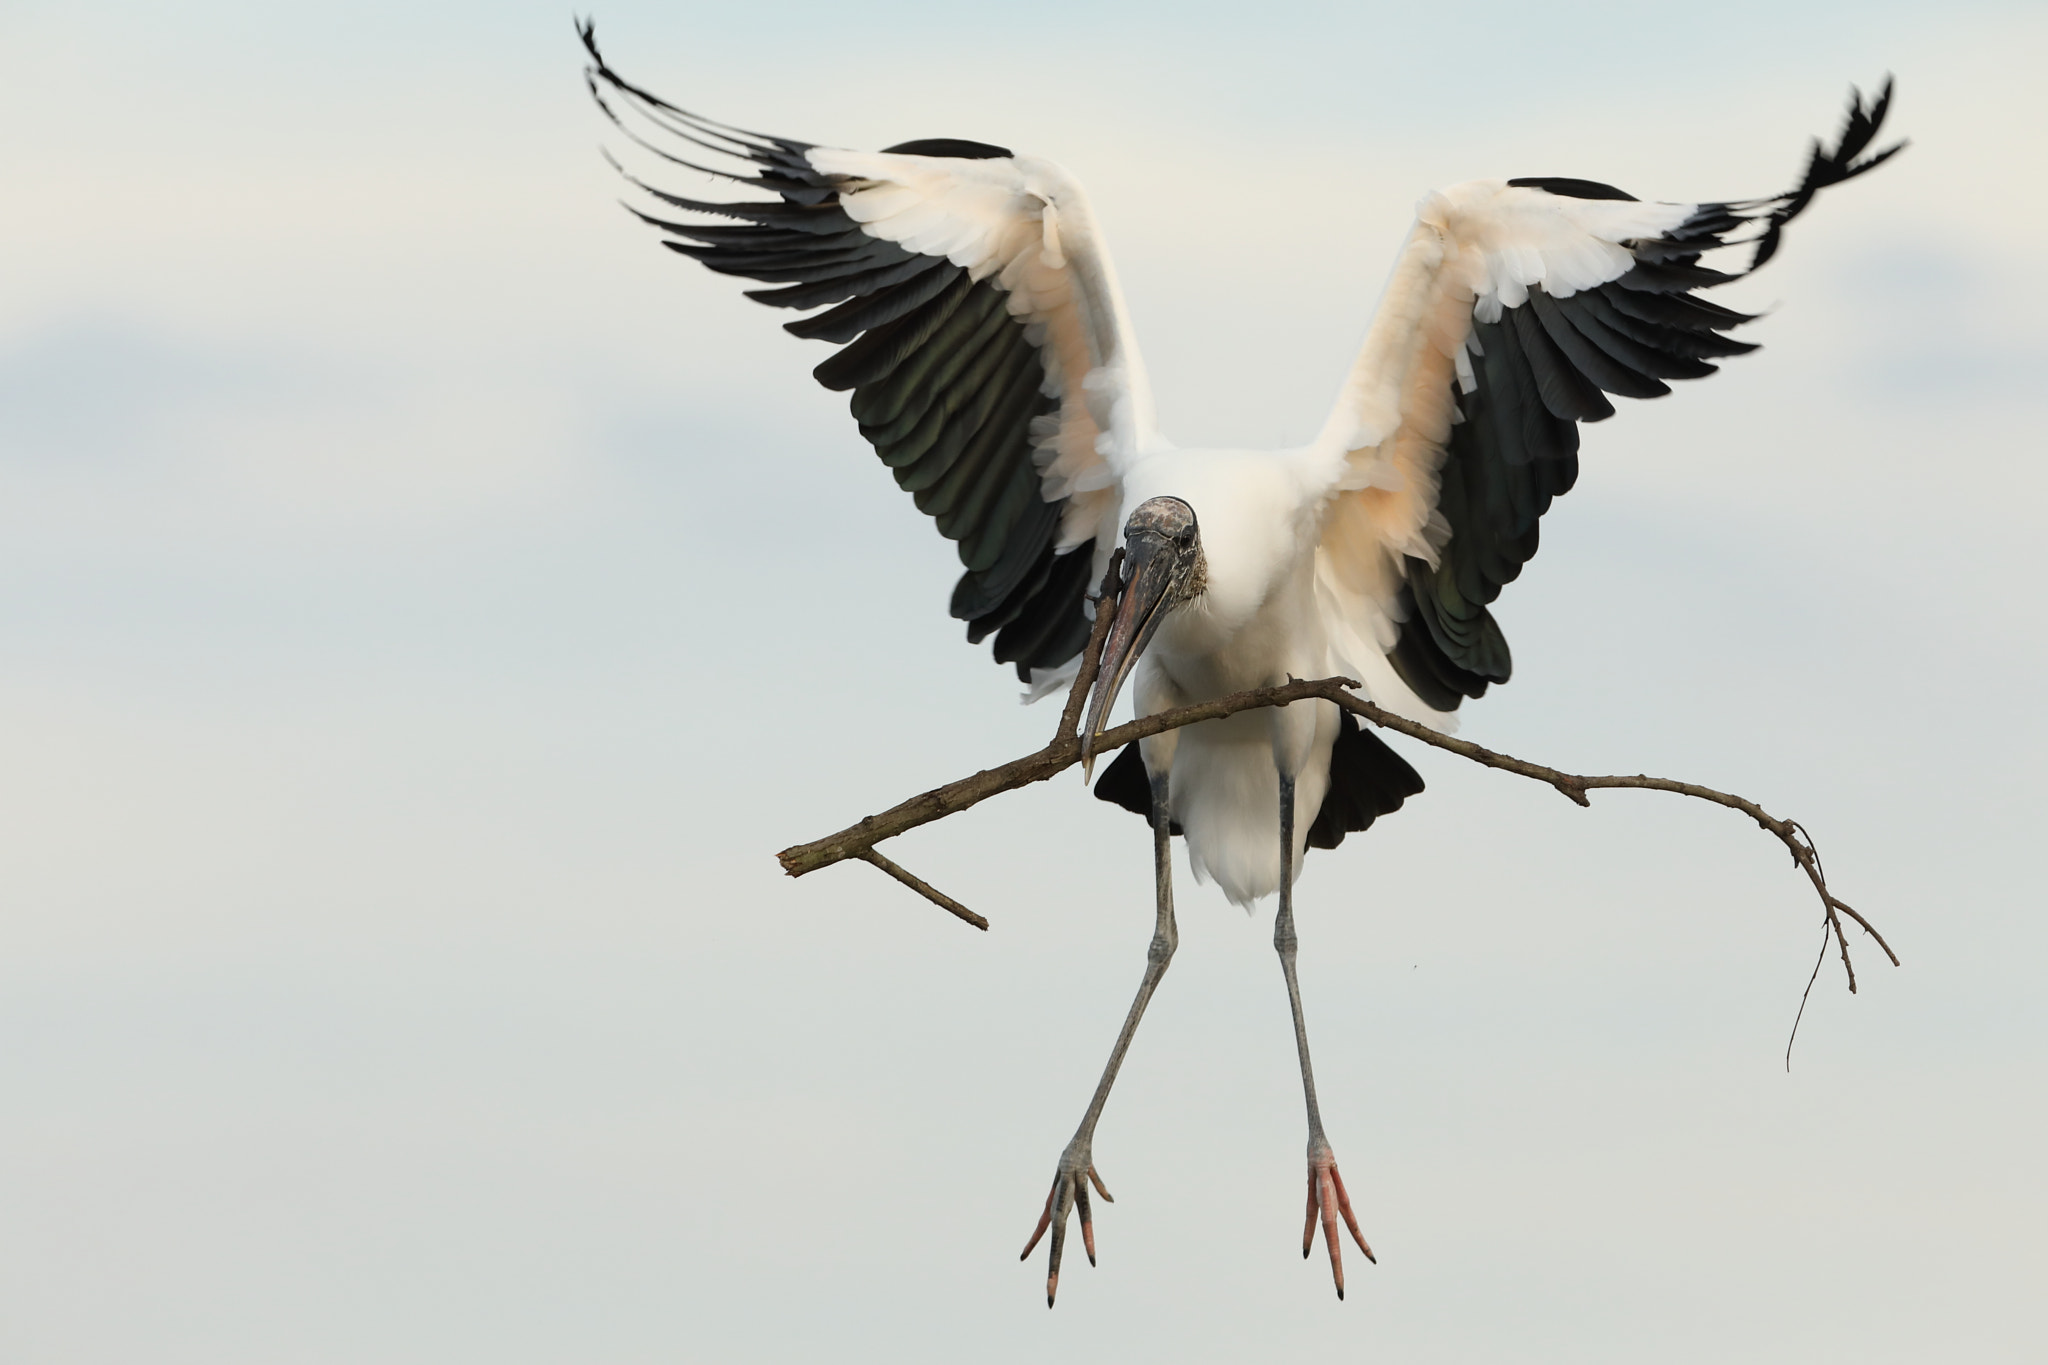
1256,624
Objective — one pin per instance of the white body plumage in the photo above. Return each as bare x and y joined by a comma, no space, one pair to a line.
1256,622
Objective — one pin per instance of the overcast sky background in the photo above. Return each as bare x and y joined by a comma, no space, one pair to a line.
426,606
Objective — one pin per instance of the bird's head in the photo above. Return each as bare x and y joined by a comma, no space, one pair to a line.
1164,569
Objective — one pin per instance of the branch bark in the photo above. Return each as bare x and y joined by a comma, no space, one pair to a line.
922,888
1055,758
859,840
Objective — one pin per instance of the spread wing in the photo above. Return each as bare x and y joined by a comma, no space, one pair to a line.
982,336
1515,308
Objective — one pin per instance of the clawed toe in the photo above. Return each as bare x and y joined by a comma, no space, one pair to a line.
1327,1199
1069,1193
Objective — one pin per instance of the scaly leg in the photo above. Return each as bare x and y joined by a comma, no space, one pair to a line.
1076,1170
1326,1195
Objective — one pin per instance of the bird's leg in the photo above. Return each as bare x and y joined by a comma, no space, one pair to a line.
1326,1195
1076,1170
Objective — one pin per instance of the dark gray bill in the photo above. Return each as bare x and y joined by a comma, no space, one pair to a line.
1151,569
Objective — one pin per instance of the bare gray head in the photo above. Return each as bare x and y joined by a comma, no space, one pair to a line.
1168,517
1163,569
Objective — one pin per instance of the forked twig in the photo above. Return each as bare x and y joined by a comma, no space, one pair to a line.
1064,751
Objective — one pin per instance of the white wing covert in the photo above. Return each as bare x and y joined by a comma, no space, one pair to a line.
1513,309
985,341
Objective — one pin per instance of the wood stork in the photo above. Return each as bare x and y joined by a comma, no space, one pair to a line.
992,367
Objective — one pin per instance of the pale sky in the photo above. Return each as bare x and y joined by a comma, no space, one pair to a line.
426,606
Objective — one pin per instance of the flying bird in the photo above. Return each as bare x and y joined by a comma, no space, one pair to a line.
992,366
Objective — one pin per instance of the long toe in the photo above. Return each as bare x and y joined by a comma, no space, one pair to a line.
1327,1201
1044,1222
1326,1195
1059,1245
1069,1190
1350,1219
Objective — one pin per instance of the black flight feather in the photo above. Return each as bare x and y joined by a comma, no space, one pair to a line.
1540,369
943,381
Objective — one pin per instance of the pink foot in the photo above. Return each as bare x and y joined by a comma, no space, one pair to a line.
1327,1199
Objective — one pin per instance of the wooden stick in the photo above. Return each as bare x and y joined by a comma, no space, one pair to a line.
859,840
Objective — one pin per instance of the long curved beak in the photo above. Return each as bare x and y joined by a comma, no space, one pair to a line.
1149,572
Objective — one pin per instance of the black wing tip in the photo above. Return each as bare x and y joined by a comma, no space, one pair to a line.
1827,167
1847,160
599,69
763,147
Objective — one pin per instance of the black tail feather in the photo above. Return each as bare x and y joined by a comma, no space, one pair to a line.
1367,780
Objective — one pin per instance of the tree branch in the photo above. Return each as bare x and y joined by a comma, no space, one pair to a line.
1055,758
1790,832
1091,653
859,840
